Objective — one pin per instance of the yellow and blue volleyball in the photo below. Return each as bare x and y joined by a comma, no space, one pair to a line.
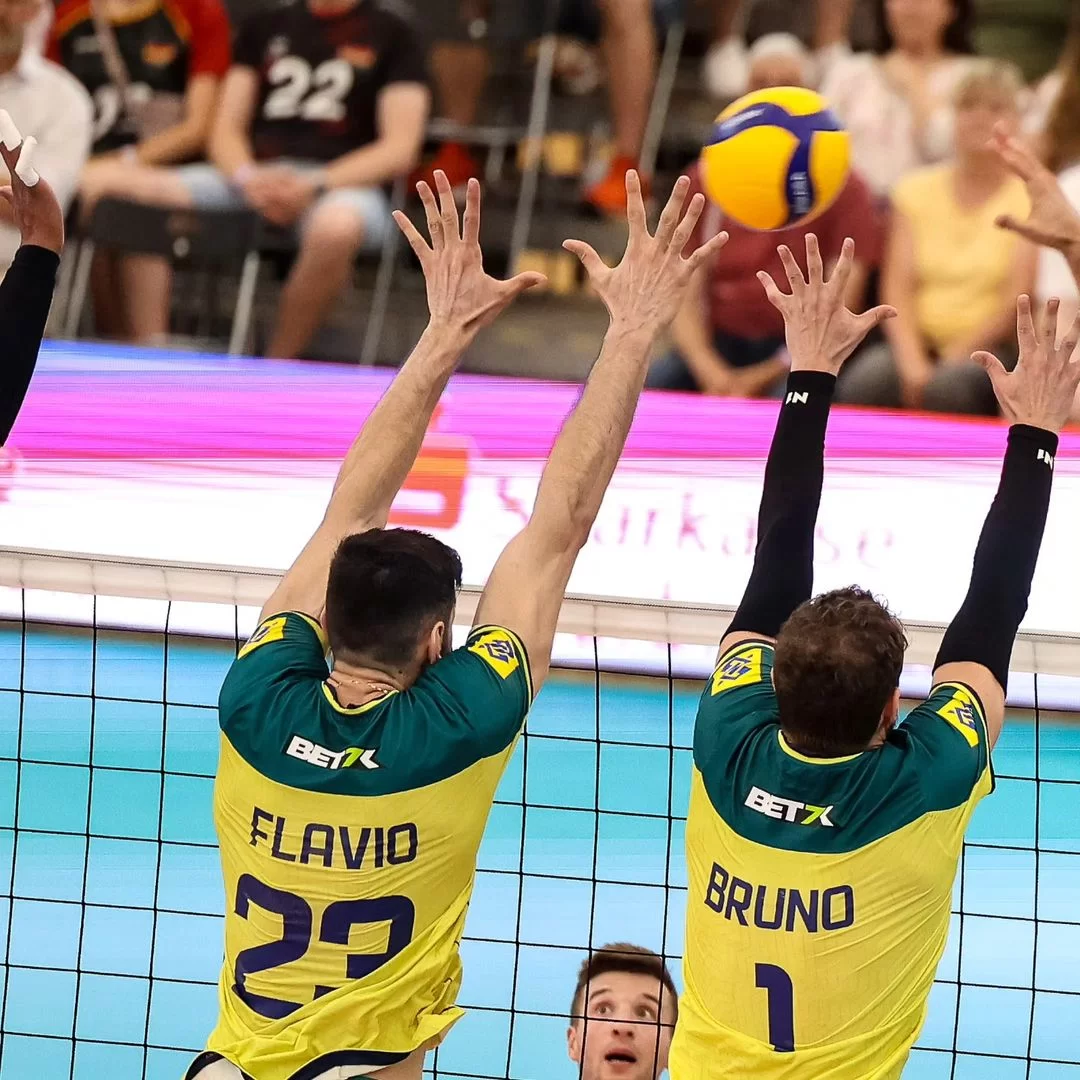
776,158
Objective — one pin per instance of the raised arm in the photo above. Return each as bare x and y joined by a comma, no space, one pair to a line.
462,299
1053,221
525,590
821,334
1036,399
27,289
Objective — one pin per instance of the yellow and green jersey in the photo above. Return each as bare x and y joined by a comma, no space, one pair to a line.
819,889
349,839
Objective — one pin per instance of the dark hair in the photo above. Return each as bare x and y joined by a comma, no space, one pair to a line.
958,34
838,661
387,589
622,957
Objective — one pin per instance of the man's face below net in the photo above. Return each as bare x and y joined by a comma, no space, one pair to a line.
626,1031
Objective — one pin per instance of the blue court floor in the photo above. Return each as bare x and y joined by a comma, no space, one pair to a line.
111,904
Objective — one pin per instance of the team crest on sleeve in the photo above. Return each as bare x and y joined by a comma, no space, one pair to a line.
497,651
271,630
962,712
742,668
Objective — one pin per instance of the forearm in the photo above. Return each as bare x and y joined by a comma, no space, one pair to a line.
377,163
385,450
783,573
230,150
985,628
25,297
587,450
174,145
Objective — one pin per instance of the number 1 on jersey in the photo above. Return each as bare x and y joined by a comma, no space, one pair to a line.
776,983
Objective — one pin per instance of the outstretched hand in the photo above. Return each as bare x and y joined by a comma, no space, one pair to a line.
645,291
1041,389
36,210
462,298
821,332
1052,222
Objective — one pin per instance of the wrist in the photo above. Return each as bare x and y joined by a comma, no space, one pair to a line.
445,341
630,332
241,175
806,380
1036,435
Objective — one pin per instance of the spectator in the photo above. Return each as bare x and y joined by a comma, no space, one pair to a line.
154,71
628,40
43,100
898,104
728,338
624,1010
952,274
825,23
326,104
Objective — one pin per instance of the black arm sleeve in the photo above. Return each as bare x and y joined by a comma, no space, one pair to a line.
985,628
783,574
25,297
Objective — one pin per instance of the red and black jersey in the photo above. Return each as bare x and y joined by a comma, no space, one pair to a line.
320,76
164,44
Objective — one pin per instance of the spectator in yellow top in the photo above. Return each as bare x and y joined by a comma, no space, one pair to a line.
952,274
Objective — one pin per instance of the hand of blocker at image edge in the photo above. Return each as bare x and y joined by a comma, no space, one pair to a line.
1041,389
36,210
821,332
462,298
1052,222
645,291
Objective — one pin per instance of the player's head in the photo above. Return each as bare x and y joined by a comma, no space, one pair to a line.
15,16
778,60
919,25
390,600
988,95
623,1015
837,673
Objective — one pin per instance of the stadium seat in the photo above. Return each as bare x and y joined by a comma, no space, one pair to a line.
212,245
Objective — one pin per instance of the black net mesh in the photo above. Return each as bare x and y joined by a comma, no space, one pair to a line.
111,905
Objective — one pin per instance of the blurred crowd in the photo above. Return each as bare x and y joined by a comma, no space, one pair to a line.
306,112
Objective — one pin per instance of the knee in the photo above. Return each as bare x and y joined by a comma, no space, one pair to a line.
960,388
334,230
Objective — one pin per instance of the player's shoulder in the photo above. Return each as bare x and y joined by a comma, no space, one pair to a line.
737,700
285,647
946,743
492,656
742,679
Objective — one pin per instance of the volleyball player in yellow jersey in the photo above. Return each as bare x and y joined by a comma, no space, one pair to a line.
351,798
823,834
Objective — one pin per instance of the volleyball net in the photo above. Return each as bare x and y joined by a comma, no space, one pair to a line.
111,906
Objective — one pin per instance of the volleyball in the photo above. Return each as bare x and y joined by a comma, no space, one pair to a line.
776,158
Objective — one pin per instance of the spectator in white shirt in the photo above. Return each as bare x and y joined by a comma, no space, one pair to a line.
897,104
46,102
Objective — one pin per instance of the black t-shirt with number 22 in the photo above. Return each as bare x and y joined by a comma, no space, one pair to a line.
320,76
